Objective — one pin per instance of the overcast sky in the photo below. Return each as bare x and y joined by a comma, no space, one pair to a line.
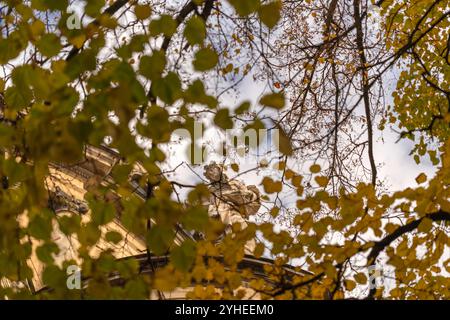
397,169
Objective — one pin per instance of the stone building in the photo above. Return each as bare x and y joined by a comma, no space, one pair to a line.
231,201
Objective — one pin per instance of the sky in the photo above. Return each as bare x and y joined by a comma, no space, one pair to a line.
396,167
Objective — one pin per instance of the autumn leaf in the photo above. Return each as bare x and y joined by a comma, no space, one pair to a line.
244,8
271,186
421,178
142,11
195,31
205,59
273,100
315,168
321,181
270,13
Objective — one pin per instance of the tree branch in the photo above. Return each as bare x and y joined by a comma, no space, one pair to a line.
365,87
386,241
111,10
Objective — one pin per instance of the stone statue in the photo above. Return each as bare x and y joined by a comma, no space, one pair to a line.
231,200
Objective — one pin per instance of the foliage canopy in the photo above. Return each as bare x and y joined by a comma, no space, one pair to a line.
139,70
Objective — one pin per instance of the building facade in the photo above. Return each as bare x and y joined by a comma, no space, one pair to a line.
67,186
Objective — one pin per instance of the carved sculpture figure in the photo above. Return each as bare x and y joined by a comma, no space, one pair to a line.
231,200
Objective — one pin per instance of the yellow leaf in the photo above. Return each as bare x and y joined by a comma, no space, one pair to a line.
402,248
273,100
280,165
297,181
37,28
361,278
349,285
332,203
271,186
259,250
274,212
421,178
78,41
390,227
289,174
315,168
321,181
199,291
425,225
270,13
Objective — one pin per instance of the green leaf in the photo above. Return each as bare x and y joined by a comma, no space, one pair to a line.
11,46
37,28
168,89
137,43
195,31
243,107
165,25
245,7
60,5
223,120
93,7
102,213
158,133
53,276
49,45
113,236
182,257
46,251
142,11
136,289
89,234
83,61
196,94
273,100
284,143
38,5
270,13
16,98
153,66
121,172
205,59
69,224
159,239
40,226
196,218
